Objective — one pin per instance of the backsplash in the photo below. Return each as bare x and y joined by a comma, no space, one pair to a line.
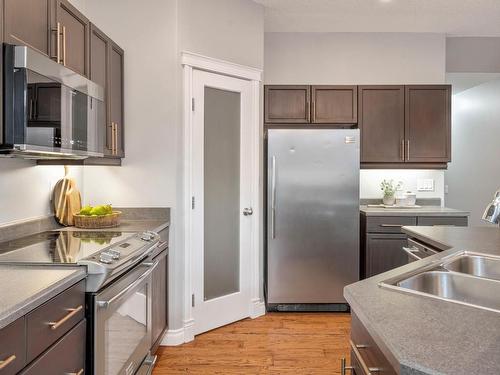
370,180
25,188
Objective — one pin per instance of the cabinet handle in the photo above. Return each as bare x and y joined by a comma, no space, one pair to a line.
112,138
75,373
412,252
116,138
72,313
313,110
391,225
367,370
6,362
58,43
408,150
402,150
64,45
344,368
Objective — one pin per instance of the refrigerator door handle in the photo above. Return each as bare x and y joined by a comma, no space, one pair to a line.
273,197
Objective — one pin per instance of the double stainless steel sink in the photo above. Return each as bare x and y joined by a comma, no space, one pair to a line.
465,278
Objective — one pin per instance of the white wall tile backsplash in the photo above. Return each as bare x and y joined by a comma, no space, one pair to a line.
370,180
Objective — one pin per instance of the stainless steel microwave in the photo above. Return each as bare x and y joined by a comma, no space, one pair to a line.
49,111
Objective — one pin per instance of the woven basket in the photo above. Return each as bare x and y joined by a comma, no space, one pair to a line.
97,222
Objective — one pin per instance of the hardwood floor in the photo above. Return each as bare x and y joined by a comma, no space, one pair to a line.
277,343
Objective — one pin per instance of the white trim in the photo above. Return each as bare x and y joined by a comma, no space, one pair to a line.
190,61
175,337
258,308
210,64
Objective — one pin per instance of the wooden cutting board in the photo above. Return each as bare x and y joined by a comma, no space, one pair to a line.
66,200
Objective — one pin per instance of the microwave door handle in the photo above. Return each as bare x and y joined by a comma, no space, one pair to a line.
106,303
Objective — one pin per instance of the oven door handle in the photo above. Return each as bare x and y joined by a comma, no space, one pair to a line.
106,303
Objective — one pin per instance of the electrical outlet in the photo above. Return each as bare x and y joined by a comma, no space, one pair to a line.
425,184
446,189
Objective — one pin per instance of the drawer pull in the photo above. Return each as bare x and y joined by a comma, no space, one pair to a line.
75,373
412,252
367,370
6,362
391,225
72,313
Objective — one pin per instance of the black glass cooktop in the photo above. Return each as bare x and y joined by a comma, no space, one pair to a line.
58,246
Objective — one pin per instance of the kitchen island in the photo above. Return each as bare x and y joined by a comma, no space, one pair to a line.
420,335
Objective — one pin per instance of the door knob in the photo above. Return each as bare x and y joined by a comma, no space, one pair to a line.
247,211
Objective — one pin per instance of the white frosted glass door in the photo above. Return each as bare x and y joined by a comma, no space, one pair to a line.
221,191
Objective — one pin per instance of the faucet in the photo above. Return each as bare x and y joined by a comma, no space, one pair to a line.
492,212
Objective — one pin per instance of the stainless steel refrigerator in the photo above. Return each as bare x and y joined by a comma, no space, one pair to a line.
312,218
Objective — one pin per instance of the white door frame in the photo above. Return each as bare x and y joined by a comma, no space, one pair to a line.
191,61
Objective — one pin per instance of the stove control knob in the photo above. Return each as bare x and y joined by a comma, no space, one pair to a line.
114,254
104,259
146,236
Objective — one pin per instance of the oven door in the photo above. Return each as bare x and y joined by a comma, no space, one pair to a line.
122,323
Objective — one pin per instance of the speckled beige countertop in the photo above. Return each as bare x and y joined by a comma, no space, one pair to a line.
23,288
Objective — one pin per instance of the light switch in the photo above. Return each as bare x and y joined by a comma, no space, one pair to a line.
425,184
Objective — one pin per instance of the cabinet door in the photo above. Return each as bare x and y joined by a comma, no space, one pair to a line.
382,123
384,252
100,45
13,347
335,104
27,22
428,123
159,296
74,37
116,99
66,356
287,104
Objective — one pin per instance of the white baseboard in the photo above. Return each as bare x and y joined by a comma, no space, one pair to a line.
179,336
173,337
257,308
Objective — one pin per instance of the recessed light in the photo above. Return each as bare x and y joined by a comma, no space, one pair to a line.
385,1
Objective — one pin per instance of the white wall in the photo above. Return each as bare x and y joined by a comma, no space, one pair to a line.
231,30
26,188
474,174
354,58
473,54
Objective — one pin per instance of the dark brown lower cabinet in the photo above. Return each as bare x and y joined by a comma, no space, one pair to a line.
365,354
67,356
159,320
51,337
384,252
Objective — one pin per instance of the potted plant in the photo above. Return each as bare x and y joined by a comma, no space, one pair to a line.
389,190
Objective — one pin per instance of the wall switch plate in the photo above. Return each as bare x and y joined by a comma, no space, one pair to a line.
425,184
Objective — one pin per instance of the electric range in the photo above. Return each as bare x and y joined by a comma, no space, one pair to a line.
106,254
119,289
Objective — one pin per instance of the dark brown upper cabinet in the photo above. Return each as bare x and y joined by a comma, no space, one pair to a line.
116,100
100,46
381,120
106,69
428,123
27,22
71,42
287,104
334,104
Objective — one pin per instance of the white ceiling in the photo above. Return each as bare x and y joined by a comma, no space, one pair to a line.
453,17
